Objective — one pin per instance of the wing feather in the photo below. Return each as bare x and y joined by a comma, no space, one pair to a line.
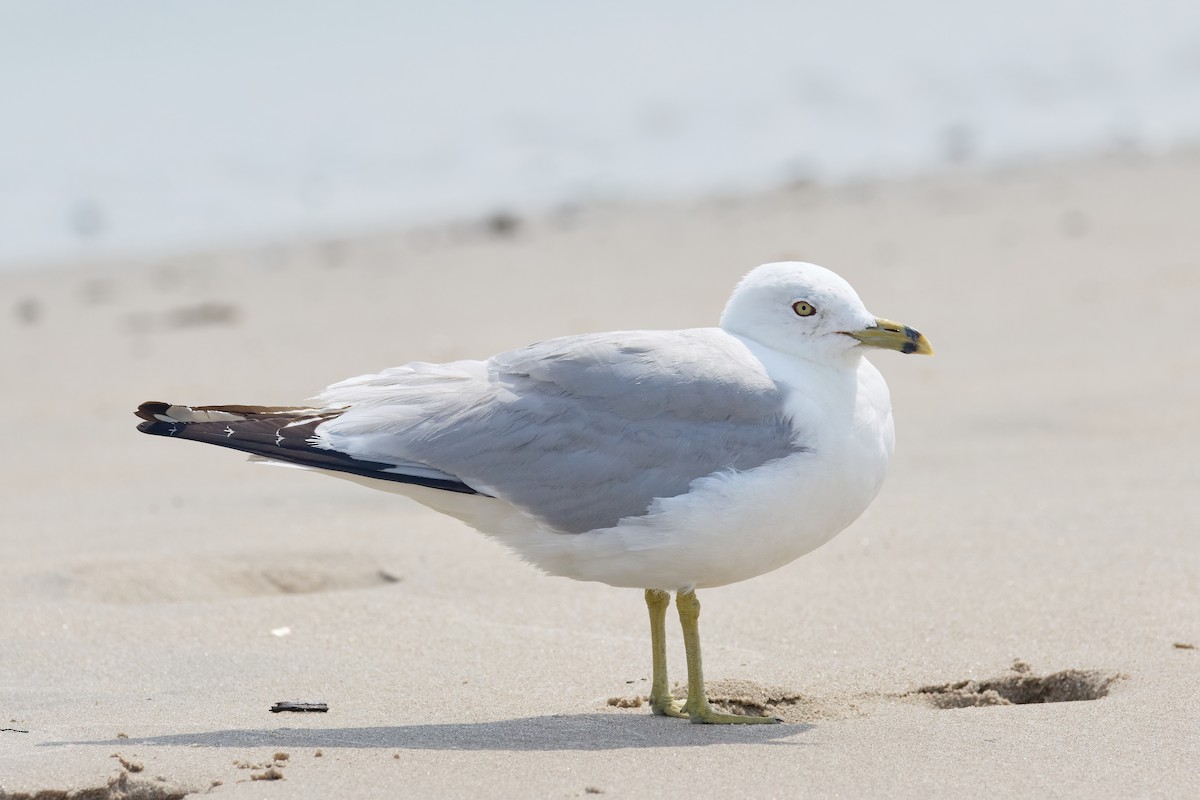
581,431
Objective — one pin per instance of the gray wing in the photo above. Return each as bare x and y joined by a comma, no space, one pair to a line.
580,431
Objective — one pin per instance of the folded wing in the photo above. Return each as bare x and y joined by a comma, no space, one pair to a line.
579,432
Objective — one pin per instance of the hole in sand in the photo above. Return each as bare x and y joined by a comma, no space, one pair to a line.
734,696
1022,687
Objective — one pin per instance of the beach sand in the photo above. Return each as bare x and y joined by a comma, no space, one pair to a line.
1041,516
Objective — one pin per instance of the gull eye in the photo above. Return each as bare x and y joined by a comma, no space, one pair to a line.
803,308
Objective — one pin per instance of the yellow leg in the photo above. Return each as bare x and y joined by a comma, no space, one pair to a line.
661,701
697,706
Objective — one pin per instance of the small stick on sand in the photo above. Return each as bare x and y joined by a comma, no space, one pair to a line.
289,705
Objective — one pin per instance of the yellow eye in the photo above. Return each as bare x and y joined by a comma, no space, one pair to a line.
803,308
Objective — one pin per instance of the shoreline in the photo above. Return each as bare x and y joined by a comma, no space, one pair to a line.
508,219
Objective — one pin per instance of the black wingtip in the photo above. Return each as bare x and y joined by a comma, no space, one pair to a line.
263,435
150,427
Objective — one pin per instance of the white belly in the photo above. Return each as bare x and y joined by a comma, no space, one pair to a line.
728,528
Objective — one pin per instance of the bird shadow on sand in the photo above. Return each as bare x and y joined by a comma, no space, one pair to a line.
575,732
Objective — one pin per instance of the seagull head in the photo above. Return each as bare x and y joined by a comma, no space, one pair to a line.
806,310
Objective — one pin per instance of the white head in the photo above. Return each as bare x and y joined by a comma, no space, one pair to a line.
808,311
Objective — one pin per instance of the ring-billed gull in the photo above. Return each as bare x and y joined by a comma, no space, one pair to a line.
659,460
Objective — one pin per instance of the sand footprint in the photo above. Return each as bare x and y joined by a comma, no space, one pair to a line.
226,577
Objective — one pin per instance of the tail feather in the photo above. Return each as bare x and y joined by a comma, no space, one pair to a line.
277,433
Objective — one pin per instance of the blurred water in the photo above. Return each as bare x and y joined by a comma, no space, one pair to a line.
130,126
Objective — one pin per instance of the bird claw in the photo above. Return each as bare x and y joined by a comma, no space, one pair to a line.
668,708
706,716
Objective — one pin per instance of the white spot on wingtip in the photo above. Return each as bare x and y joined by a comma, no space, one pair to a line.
187,414
228,431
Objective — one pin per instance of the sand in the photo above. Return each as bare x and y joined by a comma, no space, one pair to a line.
1037,535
